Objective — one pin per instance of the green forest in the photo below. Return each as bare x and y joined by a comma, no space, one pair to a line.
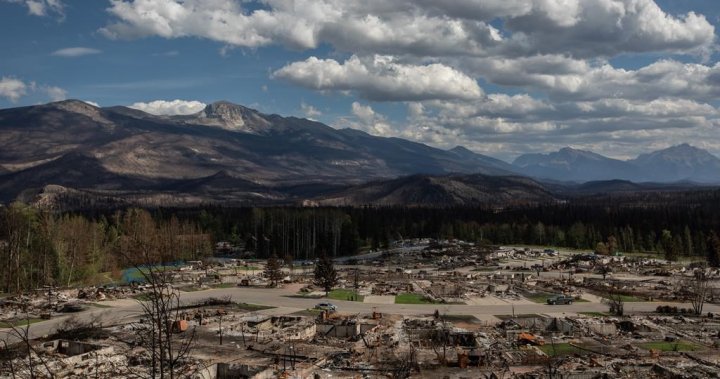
61,249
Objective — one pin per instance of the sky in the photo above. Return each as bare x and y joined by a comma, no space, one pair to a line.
500,77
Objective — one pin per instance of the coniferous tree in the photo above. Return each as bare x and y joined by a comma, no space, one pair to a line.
273,271
667,245
325,275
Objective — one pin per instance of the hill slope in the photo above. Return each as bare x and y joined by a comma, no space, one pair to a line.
452,190
266,149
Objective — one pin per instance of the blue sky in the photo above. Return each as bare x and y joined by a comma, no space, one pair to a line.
619,77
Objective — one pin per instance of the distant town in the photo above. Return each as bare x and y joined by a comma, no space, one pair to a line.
418,308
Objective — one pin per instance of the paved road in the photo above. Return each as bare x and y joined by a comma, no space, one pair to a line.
124,311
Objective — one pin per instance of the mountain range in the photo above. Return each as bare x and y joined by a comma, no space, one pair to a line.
675,164
76,152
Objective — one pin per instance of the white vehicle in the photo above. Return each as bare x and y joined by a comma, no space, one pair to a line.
326,306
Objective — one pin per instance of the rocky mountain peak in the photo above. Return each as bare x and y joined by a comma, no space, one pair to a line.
233,117
683,154
79,107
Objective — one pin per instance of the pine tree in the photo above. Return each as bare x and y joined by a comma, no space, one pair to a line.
273,271
668,246
325,274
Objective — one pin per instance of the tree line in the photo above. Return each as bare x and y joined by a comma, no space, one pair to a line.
41,248
669,229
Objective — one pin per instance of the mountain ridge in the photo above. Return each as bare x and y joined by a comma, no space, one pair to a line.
231,153
676,163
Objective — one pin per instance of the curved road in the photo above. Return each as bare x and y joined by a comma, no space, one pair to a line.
127,310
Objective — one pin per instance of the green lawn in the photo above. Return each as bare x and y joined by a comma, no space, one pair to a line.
412,298
345,294
310,312
19,323
559,349
250,307
669,346
100,305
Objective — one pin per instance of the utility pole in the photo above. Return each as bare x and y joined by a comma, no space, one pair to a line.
220,327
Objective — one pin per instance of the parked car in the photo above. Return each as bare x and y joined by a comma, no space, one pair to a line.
560,299
326,306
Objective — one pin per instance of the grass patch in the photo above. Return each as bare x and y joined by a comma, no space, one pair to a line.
558,349
192,289
19,323
304,295
310,312
99,305
412,298
670,346
595,314
250,307
345,294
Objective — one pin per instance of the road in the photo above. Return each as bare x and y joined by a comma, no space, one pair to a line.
125,311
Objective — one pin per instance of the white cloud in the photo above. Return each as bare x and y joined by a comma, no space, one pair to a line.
573,79
168,108
310,111
590,28
506,125
364,112
583,28
42,7
71,52
94,104
381,78
432,54
368,120
12,89
55,93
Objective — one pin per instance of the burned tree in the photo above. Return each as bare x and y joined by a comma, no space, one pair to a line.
698,287
32,365
615,302
440,339
146,246
604,270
